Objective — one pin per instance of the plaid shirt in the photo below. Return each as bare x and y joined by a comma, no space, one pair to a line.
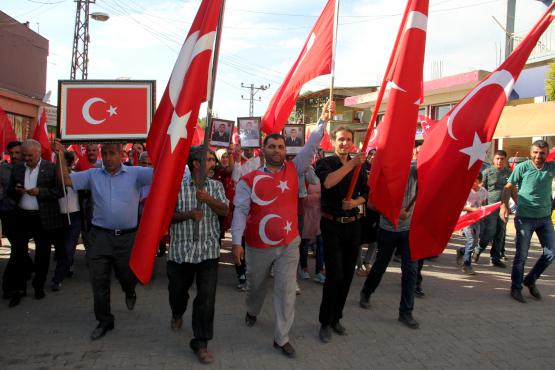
182,246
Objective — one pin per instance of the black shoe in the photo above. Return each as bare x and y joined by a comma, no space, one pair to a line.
250,320
100,330
533,289
408,320
364,301
130,300
499,263
39,294
339,329
517,296
176,323
287,349
325,333
15,299
418,292
55,286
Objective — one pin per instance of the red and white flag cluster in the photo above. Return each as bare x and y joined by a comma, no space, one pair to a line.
172,131
41,135
452,155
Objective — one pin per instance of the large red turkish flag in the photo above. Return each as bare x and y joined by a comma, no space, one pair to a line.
472,217
452,155
315,60
7,133
170,136
41,135
390,167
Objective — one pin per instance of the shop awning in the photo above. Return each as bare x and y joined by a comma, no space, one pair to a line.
527,120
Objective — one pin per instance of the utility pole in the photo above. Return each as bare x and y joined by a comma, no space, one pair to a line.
510,27
80,53
253,91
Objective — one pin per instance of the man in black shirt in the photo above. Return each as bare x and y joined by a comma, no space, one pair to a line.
340,225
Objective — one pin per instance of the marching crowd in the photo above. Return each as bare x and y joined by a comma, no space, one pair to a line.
276,209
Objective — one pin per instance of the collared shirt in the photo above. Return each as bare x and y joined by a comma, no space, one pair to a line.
332,198
534,189
29,202
242,200
207,246
115,197
494,182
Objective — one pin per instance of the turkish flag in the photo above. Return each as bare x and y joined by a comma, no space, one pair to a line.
235,137
427,125
391,164
7,133
473,217
171,134
551,156
315,60
41,135
79,150
452,155
106,109
198,137
326,144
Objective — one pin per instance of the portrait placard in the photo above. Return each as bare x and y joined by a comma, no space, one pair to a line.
222,131
249,131
294,138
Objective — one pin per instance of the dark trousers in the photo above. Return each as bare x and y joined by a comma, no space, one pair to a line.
64,258
106,252
388,241
341,242
494,230
30,227
180,279
20,263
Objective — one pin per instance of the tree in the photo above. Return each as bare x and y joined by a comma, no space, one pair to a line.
550,83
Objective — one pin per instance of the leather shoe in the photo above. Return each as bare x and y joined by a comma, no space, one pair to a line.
499,263
203,355
15,300
364,301
517,296
250,320
100,330
325,333
408,320
339,329
176,323
287,349
130,300
533,290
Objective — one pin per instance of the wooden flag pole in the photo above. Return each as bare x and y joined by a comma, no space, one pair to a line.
210,102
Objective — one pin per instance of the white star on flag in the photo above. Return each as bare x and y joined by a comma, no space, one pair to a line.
288,226
178,129
283,186
478,150
112,111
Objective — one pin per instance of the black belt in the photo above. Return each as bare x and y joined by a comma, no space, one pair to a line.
116,232
343,219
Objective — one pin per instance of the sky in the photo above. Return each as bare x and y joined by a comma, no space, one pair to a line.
262,39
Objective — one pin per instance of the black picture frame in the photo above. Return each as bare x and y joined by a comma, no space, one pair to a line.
248,129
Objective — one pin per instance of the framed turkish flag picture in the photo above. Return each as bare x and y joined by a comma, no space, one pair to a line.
102,110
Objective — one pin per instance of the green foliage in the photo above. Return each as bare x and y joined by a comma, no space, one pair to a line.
550,83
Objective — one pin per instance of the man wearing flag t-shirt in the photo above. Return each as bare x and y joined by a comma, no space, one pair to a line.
266,212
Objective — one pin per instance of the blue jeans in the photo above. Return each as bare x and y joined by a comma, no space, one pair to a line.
524,229
388,242
472,234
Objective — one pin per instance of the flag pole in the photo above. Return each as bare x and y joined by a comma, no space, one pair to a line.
334,45
381,92
210,102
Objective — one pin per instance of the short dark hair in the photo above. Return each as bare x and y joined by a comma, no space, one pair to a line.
69,157
542,144
273,136
501,153
195,154
342,128
480,176
13,144
107,145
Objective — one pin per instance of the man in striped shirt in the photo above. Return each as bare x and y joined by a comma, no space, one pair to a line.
195,250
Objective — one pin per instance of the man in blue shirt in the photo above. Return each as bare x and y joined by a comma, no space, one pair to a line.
116,194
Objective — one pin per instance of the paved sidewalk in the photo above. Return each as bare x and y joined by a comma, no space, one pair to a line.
466,322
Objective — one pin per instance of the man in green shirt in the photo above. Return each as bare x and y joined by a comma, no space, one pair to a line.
494,180
533,198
